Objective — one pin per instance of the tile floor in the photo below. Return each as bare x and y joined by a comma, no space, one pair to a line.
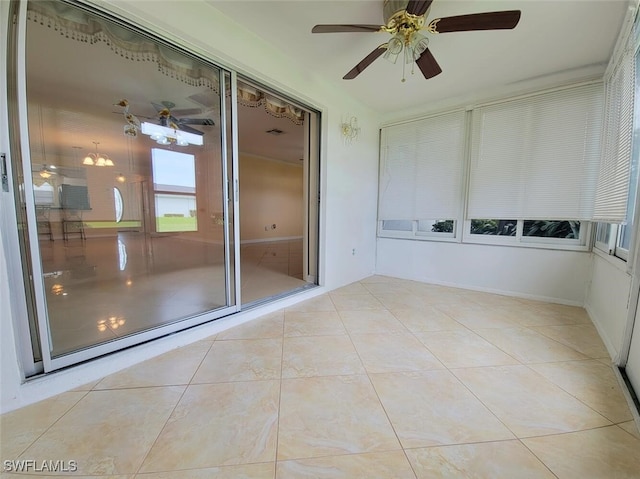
383,378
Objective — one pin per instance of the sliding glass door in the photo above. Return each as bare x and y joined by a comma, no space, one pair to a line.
126,170
151,191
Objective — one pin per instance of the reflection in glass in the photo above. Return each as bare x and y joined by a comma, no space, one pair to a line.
144,254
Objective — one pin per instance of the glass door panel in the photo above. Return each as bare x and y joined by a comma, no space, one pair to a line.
128,181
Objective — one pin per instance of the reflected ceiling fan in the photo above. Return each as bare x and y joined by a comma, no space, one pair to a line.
404,21
169,120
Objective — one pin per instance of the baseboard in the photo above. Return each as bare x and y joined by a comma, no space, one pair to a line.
514,294
614,354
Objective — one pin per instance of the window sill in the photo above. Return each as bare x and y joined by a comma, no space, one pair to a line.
613,260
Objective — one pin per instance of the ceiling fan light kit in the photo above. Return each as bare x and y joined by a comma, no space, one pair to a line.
404,20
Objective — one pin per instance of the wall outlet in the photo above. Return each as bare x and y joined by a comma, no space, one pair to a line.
353,251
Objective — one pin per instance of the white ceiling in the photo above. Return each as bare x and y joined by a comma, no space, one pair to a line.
555,42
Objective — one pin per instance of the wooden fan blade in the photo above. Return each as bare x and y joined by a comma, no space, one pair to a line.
476,21
428,65
196,121
366,61
345,28
417,7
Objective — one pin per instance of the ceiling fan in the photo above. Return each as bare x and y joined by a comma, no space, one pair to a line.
167,119
404,20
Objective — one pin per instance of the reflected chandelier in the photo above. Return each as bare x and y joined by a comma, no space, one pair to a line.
97,159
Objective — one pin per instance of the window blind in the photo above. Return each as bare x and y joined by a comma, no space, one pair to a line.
537,157
615,166
421,170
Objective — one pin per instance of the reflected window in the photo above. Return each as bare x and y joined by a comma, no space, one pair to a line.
174,184
118,203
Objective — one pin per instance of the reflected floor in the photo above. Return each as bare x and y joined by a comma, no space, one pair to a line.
382,378
102,289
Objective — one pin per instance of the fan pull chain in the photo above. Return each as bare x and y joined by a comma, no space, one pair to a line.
403,78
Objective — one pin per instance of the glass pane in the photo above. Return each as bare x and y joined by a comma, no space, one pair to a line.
552,229
624,240
397,225
493,227
436,226
150,252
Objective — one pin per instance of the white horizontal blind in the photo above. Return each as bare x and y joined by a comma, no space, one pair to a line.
615,166
537,157
422,166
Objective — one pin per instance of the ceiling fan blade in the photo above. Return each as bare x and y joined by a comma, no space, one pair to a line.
345,28
428,65
476,21
188,129
196,121
366,61
418,7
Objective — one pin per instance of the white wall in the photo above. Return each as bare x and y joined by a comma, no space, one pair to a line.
348,191
607,301
543,274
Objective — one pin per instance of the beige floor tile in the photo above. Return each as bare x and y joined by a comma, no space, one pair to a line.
490,299
241,360
319,303
385,288
389,352
526,402
20,428
5,475
174,368
218,425
488,460
377,465
320,356
313,324
479,317
108,432
429,319
407,300
332,416
431,408
574,314
243,471
529,346
631,427
86,386
268,326
463,348
584,338
356,302
528,316
361,322
591,382
353,288
603,453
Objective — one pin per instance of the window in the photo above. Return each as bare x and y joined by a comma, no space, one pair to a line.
118,204
174,184
616,239
493,227
422,177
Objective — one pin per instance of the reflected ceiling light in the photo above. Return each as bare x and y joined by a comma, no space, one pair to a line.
45,173
97,159
164,135
120,178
